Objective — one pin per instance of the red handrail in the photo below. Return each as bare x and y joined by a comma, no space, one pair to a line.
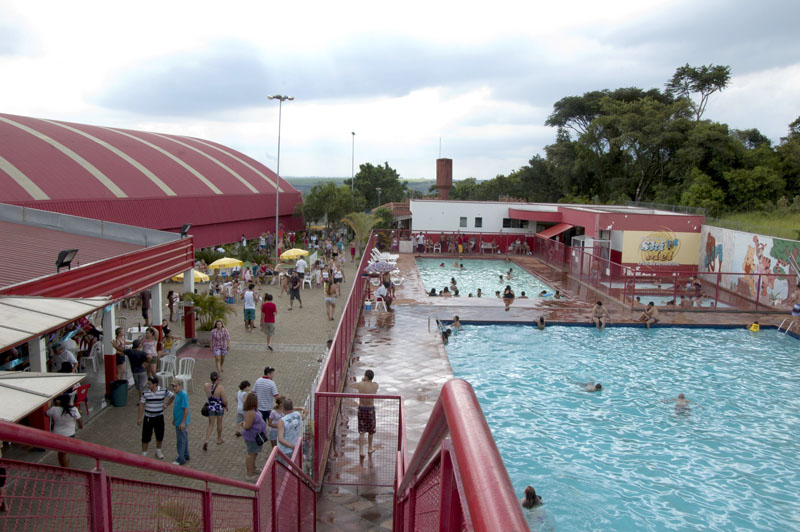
489,495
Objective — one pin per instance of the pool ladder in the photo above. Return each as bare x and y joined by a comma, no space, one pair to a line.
792,323
436,320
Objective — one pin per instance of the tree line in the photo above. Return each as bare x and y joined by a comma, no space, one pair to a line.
631,144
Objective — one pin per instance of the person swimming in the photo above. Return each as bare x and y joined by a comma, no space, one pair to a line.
540,324
530,500
754,327
432,293
591,386
681,404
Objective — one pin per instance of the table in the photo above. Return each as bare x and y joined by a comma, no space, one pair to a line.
133,331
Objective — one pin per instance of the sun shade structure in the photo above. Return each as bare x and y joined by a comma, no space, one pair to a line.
556,230
294,253
224,262
140,178
22,393
23,318
199,277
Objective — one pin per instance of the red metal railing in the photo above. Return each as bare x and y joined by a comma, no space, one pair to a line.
334,369
682,288
460,484
42,497
444,242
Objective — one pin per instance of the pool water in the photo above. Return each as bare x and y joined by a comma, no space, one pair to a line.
476,274
624,458
661,301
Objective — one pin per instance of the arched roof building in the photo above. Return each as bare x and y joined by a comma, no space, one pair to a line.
140,178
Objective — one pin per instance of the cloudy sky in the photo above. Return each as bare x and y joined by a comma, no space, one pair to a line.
482,77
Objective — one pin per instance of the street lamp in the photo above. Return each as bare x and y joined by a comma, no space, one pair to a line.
379,195
280,99
353,162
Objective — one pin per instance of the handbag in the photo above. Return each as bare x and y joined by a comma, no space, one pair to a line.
261,438
204,410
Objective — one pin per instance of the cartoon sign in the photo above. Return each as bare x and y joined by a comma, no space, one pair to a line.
660,248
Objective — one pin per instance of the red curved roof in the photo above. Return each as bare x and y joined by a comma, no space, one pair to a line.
141,178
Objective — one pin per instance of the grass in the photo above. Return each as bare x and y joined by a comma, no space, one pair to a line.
778,224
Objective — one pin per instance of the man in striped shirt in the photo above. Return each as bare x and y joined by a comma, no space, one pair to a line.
266,391
154,400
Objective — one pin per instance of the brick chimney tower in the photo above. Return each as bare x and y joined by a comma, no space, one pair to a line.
444,177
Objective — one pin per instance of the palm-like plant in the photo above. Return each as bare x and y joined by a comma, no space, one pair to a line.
208,309
361,223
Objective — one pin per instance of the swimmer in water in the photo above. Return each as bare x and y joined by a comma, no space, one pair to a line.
540,324
591,386
530,500
681,404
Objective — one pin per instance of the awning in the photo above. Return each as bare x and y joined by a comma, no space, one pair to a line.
21,392
557,229
25,317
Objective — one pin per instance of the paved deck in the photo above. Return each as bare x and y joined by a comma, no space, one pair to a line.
407,359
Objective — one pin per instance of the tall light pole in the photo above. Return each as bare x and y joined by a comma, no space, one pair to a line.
353,162
280,99
379,195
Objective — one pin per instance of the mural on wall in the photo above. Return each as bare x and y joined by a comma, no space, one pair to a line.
768,265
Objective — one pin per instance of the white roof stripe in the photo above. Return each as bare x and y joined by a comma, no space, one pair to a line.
121,154
194,172
22,180
218,162
233,156
89,167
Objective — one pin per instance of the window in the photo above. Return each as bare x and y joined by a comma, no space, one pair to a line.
513,223
463,222
478,222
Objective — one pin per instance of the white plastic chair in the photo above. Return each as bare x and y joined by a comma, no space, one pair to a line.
397,281
166,370
384,257
437,247
181,311
92,356
185,370
380,304
307,280
375,281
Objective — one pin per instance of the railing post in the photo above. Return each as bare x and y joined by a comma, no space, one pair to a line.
257,510
448,501
208,520
99,500
274,496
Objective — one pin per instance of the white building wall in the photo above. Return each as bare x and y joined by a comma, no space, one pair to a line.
445,216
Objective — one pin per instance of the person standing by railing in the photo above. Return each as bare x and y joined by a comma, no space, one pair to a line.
289,428
366,411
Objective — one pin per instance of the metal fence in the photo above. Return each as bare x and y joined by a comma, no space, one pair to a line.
43,498
354,460
447,242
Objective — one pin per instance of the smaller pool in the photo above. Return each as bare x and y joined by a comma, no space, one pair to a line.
484,274
661,301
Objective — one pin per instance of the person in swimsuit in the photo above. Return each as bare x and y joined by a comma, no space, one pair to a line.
541,324
366,411
650,315
330,299
217,404
530,500
681,404
119,344
508,297
599,315
150,346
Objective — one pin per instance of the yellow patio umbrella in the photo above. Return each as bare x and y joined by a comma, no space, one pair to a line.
224,262
199,277
294,253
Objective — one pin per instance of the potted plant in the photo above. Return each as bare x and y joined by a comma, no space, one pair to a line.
208,310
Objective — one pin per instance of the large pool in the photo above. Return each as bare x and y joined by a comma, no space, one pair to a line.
483,274
626,459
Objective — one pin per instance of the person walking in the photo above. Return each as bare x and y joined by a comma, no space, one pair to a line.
275,416
181,419
266,391
330,298
244,389
294,290
254,427
154,400
269,311
138,359
249,299
220,341
290,427
64,417
217,405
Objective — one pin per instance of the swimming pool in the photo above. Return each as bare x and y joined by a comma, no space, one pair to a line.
476,274
623,459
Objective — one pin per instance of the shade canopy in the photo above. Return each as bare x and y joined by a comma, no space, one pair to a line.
224,262
294,253
557,229
23,318
199,277
22,392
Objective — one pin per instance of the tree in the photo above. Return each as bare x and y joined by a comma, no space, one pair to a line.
369,178
703,81
330,202
385,218
753,189
361,223
703,192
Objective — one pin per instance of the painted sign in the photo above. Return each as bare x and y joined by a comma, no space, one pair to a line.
660,248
